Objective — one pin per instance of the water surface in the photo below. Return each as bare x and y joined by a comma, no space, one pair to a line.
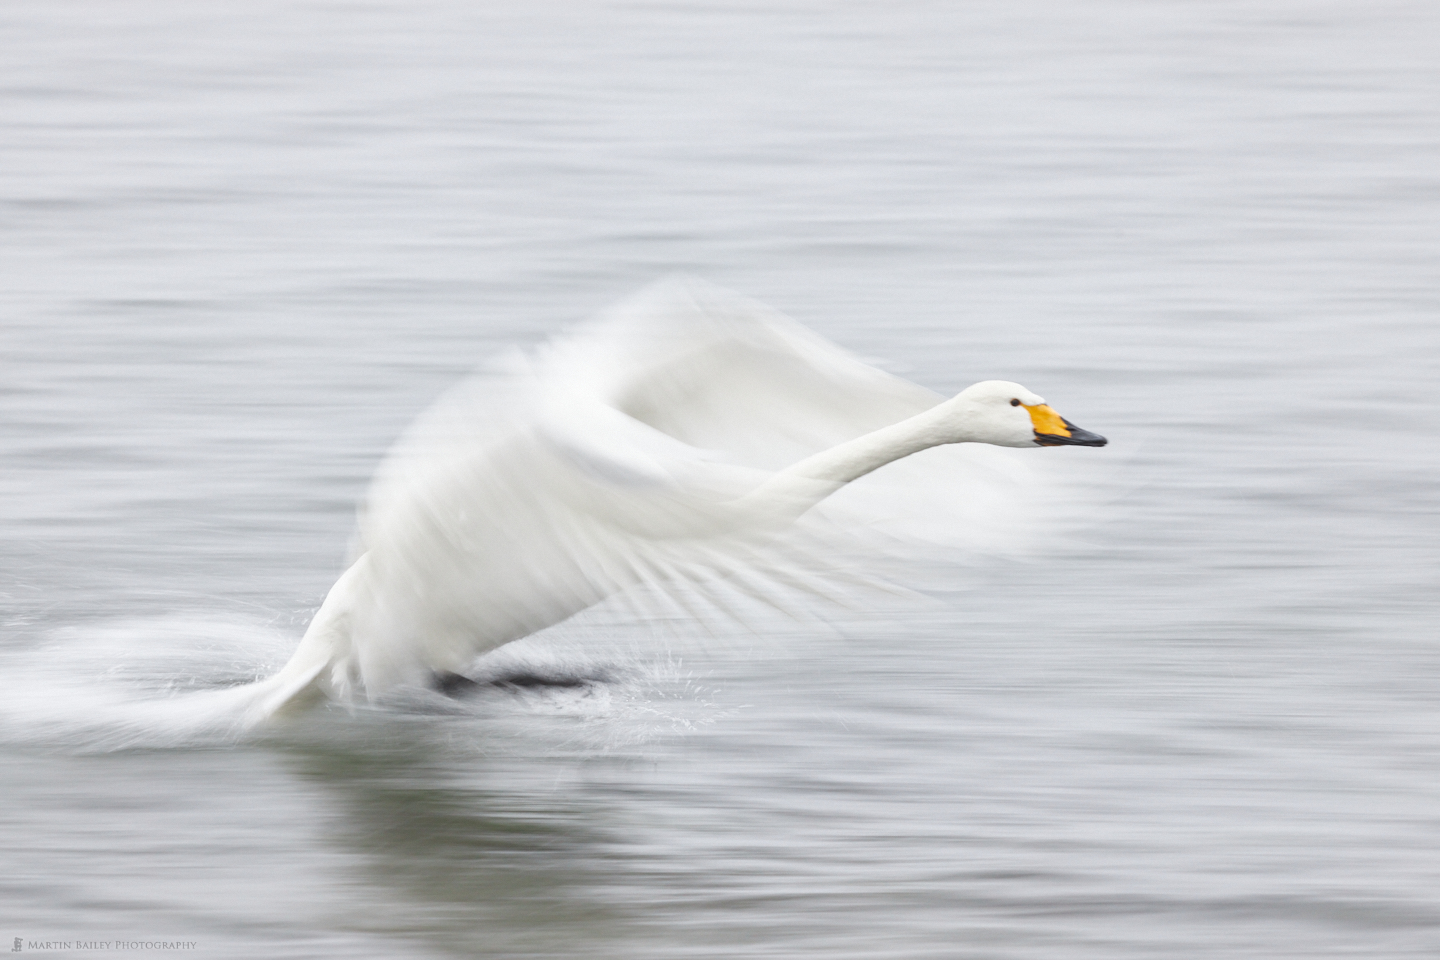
243,246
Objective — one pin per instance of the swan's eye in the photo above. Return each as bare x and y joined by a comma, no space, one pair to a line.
1014,403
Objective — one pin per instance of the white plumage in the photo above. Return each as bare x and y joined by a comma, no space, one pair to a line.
684,432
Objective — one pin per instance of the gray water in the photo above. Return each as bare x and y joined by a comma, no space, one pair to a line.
244,244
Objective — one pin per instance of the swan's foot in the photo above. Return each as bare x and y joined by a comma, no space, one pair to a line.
459,685
453,684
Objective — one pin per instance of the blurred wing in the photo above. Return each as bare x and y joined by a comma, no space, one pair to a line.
721,372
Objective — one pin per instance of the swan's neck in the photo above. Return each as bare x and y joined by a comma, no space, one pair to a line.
804,484
855,458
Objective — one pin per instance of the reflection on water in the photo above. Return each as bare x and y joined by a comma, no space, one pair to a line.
457,866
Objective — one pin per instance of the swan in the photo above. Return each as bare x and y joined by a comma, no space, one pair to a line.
685,431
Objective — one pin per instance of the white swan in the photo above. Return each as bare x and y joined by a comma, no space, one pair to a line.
684,431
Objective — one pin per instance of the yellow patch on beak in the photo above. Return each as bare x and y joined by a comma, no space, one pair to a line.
1047,421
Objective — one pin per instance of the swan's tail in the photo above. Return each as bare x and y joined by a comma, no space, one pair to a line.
319,669
291,689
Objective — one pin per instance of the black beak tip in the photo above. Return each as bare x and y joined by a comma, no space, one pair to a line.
1077,438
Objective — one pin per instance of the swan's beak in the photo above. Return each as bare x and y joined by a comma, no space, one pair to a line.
1053,430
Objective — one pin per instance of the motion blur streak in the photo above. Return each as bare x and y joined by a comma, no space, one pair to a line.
244,245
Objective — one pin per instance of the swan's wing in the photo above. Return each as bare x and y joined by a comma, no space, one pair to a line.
722,372
693,362
480,547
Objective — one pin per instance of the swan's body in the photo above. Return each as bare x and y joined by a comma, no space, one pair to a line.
684,433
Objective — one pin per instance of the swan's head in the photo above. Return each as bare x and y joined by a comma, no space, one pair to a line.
1008,415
